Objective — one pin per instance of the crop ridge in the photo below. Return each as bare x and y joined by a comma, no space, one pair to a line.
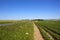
51,38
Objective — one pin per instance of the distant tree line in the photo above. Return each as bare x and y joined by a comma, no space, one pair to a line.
38,19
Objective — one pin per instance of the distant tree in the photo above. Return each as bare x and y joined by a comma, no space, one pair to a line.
38,20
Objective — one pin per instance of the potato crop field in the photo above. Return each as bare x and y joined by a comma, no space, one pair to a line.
50,30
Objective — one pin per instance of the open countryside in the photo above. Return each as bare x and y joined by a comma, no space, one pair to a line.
30,30
29,19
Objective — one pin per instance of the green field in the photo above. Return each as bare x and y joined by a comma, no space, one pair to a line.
20,30
23,30
52,27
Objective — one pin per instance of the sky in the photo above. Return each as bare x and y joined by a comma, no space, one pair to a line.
29,9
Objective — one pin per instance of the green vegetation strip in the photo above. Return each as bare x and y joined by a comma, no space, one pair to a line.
56,36
52,25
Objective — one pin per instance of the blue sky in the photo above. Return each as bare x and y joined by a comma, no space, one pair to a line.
29,9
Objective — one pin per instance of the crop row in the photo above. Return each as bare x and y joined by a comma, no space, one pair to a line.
51,27
44,34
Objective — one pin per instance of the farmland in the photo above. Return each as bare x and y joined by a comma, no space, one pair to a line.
50,27
18,30
27,30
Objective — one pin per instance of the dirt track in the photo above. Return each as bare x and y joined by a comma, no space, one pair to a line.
37,34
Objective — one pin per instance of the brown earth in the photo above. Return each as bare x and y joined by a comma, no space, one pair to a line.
37,34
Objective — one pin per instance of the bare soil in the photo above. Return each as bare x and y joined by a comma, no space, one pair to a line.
37,34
